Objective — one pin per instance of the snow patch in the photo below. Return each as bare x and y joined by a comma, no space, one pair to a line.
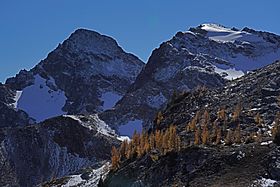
74,181
102,127
263,182
215,28
230,73
240,155
73,117
39,101
94,177
109,100
95,123
266,143
255,109
123,138
16,98
129,128
247,63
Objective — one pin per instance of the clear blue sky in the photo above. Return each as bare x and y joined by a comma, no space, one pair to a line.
30,29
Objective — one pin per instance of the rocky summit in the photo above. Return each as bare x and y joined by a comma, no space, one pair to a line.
87,73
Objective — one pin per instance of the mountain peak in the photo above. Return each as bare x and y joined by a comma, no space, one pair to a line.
214,26
91,41
87,73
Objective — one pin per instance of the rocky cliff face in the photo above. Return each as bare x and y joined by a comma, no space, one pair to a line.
54,148
206,55
9,116
249,165
87,73
257,93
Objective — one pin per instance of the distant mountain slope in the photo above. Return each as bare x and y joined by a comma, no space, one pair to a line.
206,55
87,73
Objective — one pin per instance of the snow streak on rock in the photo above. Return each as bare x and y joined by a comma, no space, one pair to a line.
92,180
94,122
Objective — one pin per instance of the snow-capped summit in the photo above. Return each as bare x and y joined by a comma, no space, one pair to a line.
244,49
221,33
92,53
206,55
87,73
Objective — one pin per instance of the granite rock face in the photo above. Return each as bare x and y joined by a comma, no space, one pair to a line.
10,117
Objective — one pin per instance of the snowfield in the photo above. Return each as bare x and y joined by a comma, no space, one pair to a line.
39,101
222,34
230,73
265,52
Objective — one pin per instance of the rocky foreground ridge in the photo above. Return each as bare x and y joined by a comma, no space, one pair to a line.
245,152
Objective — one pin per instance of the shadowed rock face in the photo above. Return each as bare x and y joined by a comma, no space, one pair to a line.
206,55
10,117
51,149
200,167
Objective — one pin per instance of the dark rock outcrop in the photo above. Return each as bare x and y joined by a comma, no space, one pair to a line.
9,117
222,166
54,148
